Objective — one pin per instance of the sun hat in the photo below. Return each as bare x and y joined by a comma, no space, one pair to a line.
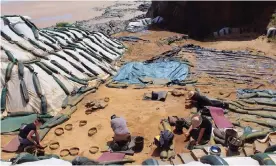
196,121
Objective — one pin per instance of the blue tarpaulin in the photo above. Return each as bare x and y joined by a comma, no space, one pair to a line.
170,70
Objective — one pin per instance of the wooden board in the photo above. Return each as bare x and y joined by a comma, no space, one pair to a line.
197,154
186,157
176,161
260,147
248,149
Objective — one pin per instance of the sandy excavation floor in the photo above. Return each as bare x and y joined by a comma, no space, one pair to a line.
143,117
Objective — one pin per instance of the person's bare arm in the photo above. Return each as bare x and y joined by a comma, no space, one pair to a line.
29,137
37,137
201,132
189,131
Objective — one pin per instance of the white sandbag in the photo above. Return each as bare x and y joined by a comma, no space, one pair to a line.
241,161
271,32
224,31
4,57
89,42
69,58
108,39
68,66
55,67
72,36
5,163
21,27
51,90
48,162
24,43
99,49
157,20
79,35
85,61
15,101
59,34
139,25
59,39
48,48
44,39
83,32
5,28
97,62
96,56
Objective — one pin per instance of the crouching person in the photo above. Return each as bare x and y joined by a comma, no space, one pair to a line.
26,134
121,136
199,132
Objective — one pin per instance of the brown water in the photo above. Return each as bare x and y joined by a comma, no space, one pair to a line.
48,13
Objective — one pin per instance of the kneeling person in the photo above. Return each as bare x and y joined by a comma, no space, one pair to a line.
121,133
26,132
200,130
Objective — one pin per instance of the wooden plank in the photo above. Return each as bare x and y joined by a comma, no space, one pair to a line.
248,149
198,153
176,161
186,157
206,149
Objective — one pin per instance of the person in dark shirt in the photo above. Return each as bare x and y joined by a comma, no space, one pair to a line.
200,131
200,101
27,131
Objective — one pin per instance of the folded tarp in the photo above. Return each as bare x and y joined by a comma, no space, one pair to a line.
134,72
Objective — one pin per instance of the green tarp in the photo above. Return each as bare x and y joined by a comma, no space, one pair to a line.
11,124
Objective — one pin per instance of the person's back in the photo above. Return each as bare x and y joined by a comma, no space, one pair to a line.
25,130
119,127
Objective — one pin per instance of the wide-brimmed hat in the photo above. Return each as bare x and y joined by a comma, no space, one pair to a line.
191,94
196,121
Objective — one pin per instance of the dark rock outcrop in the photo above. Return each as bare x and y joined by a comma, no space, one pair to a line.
199,19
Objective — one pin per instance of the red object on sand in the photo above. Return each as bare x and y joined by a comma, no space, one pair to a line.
107,156
219,118
12,146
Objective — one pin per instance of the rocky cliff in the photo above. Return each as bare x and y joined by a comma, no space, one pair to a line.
199,19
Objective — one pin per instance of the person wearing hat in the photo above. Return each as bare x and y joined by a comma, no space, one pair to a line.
121,132
200,101
200,130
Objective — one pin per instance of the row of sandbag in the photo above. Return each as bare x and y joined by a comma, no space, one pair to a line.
24,84
22,32
260,103
97,48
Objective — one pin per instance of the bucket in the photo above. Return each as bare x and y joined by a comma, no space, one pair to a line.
229,133
139,144
234,144
215,150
